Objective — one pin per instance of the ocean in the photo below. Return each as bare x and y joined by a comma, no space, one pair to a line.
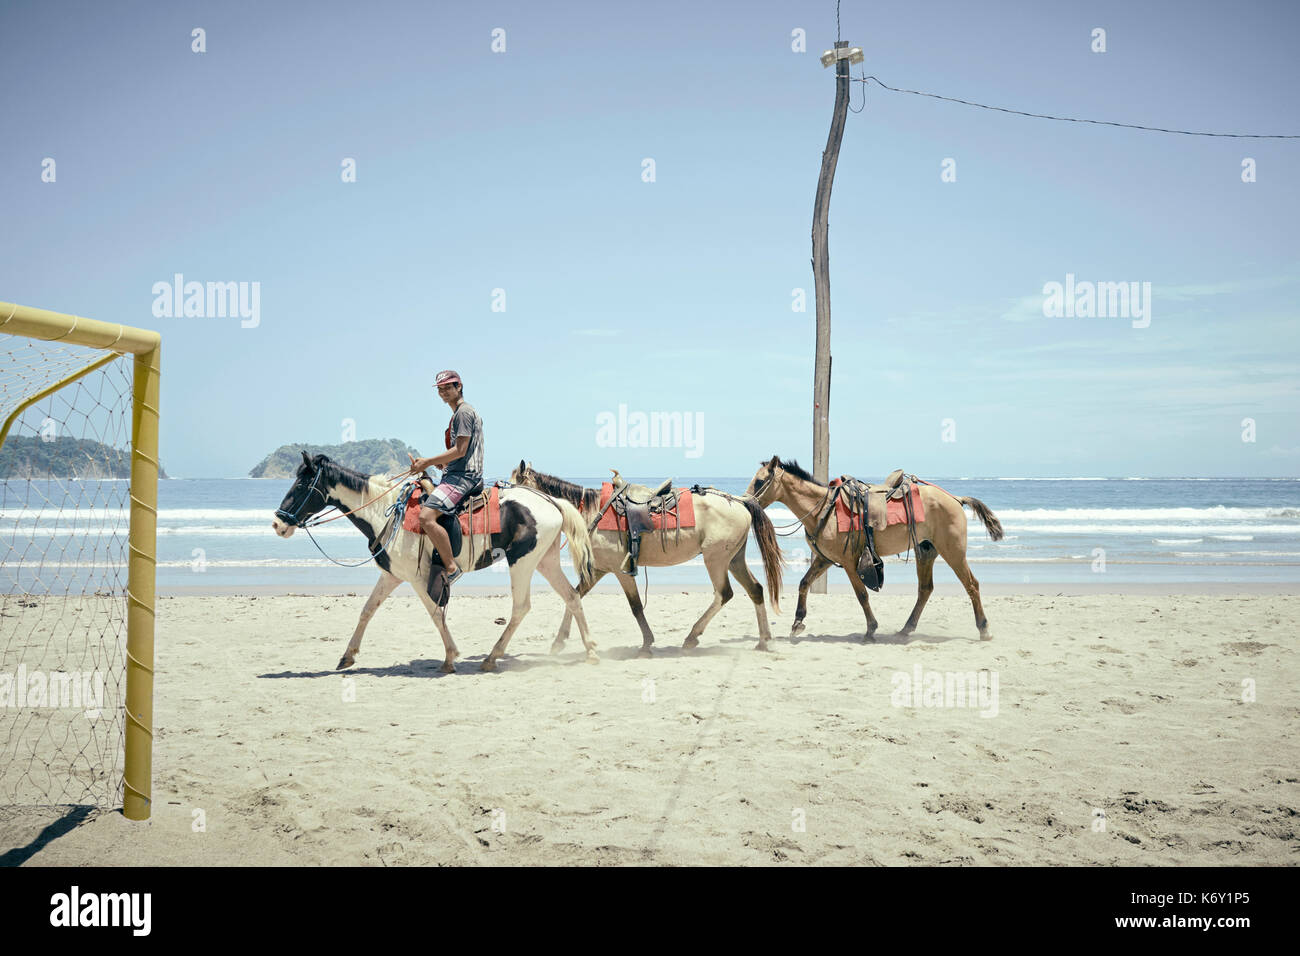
215,535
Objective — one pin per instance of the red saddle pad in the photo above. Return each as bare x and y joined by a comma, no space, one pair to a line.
895,512
685,517
486,520
411,517
490,515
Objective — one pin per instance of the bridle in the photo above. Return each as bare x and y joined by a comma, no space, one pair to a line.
315,519
292,519
794,527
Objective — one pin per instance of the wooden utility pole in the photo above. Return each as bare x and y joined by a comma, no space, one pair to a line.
841,57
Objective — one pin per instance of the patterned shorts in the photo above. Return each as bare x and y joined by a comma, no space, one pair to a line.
447,496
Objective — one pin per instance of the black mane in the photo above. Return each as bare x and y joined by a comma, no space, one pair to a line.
575,494
794,468
349,478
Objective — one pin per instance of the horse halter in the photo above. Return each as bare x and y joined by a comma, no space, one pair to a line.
762,483
292,519
787,530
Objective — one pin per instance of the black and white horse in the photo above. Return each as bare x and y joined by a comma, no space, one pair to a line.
530,538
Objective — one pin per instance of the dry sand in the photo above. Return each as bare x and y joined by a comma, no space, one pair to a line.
1128,705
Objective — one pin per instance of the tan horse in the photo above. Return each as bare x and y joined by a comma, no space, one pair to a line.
721,533
941,534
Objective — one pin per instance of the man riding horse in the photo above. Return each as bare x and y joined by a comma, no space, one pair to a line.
461,464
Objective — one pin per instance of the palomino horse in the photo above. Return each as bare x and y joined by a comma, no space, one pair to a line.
721,532
943,530
530,539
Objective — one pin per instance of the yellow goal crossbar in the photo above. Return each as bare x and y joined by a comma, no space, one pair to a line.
145,346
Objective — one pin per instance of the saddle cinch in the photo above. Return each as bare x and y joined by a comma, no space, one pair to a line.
872,500
640,514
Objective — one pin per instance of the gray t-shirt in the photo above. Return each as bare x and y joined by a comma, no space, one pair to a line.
466,422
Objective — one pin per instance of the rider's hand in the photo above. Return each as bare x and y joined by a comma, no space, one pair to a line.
415,468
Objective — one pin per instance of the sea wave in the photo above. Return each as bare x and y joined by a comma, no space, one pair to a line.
53,512
1213,513
1202,531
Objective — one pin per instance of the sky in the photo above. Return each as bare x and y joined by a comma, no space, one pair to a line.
503,223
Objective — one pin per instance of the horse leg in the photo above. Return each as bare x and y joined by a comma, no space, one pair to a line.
521,577
628,584
722,593
740,571
957,561
562,634
439,615
385,586
864,599
925,555
816,569
554,574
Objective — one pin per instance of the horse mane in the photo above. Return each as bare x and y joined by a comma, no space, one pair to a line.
794,468
349,478
575,494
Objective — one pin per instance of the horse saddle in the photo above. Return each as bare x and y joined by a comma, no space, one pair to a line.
471,503
897,486
640,513
859,497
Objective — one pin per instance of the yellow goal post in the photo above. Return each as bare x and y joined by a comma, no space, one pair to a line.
118,341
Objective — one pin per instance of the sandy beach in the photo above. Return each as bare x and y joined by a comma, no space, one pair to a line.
1112,730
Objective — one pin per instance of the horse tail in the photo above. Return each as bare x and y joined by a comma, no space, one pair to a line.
773,559
579,540
991,522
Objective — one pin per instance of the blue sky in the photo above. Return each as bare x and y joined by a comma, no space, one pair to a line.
522,171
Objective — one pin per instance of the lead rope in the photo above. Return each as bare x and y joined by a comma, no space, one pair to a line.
318,520
794,526
395,522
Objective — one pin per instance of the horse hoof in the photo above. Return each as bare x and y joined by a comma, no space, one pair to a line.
762,646
489,664
690,643
557,647
345,662
869,637
796,628
448,667
593,659
985,636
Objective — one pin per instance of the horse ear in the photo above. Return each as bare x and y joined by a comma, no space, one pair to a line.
522,466
776,460
305,460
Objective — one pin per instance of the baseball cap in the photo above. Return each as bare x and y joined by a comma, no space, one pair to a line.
447,377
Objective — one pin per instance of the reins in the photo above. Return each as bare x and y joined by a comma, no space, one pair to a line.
318,520
793,528
314,521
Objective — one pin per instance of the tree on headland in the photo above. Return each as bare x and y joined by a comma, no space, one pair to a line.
36,457
372,456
